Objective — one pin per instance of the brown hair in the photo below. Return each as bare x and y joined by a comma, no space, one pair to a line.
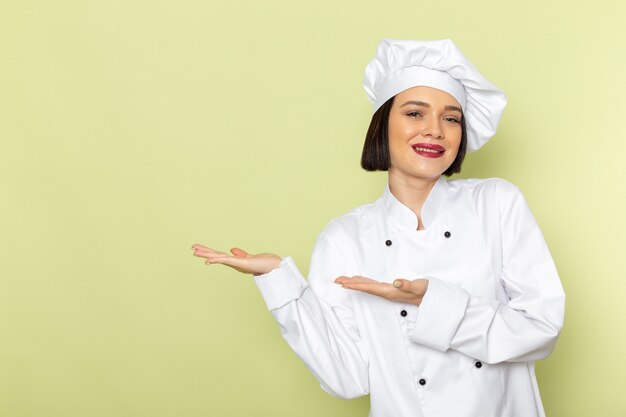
376,157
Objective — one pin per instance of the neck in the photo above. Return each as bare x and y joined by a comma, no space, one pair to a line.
411,191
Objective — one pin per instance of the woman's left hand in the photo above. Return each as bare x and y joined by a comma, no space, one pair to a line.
402,290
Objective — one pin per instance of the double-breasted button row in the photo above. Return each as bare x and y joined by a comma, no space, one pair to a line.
447,234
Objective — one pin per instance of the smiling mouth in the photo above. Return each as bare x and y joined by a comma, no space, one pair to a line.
428,150
418,148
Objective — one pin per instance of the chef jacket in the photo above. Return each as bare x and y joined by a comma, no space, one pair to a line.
494,304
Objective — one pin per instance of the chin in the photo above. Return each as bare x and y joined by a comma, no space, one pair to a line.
430,171
427,174
426,169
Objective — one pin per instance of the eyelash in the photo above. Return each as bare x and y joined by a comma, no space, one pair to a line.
453,119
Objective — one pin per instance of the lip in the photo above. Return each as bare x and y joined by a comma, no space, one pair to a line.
427,154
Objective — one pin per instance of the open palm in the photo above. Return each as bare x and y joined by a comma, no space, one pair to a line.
402,290
240,260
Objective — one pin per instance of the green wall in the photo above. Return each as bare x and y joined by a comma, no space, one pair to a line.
130,130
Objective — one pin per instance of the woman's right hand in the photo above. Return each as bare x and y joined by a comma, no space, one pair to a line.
241,260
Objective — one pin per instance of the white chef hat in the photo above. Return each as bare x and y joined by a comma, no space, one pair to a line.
402,64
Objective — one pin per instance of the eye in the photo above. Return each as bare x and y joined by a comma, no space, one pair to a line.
453,120
414,114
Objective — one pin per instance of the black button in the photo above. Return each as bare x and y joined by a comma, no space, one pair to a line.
422,382
403,313
388,243
478,364
447,234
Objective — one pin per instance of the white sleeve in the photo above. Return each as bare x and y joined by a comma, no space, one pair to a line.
317,321
525,328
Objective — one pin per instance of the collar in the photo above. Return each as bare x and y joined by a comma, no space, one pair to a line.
403,217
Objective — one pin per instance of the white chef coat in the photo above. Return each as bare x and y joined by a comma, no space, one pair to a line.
494,304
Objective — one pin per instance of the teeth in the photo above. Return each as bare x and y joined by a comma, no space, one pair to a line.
426,150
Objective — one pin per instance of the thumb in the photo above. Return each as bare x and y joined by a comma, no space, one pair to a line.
402,284
239,252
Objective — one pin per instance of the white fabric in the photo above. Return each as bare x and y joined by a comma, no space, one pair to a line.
494,296
394,69
415,76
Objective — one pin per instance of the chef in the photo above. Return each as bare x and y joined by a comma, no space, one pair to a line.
437,298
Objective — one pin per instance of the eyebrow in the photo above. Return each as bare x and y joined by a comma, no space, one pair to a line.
421,103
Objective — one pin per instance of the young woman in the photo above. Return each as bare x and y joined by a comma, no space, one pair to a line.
437,298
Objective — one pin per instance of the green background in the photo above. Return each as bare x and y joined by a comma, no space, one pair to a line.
130,130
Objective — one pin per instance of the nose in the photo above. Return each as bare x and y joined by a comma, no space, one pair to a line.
432,128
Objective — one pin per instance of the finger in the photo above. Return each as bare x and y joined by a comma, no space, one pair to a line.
341,279
239,252
402,284
360,278
356,278
199,246
216,260
416,286
209,253
375,288
233,261
384,290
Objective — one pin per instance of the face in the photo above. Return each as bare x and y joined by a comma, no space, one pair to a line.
424,132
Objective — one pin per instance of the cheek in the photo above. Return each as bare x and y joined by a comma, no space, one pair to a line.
455,138
397,137
452,156
399,143
407,131
400,130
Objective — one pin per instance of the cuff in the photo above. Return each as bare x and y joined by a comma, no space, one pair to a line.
439,315
281,285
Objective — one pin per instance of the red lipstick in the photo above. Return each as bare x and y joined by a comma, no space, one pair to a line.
429,150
